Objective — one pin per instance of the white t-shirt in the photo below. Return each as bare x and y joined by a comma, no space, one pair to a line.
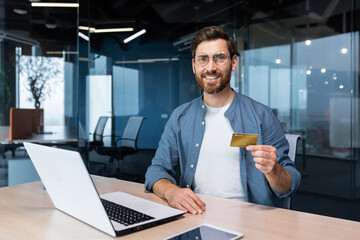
218,168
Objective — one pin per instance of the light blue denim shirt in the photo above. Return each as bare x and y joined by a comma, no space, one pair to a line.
181,141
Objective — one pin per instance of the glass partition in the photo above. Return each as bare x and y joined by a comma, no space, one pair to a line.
301,58
298,57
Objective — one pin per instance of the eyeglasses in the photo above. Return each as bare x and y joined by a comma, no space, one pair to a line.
220,58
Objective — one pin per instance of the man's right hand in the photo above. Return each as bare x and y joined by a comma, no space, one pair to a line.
181,198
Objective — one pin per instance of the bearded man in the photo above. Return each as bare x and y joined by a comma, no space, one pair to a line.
196,139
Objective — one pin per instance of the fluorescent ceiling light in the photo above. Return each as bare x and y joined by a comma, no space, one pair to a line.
50,25
61,52
149,60
20,11
52,4
82,59
87,28
83,36
132,37
107,30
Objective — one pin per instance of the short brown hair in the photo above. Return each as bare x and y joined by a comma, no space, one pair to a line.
213,33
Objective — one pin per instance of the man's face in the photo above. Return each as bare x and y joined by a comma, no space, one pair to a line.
213,77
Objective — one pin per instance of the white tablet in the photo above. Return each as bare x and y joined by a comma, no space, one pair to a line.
207,232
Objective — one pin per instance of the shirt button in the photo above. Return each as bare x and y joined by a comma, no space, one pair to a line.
187,186
192,165
197,145
202,122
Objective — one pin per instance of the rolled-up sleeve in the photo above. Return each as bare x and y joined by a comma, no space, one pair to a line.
274,135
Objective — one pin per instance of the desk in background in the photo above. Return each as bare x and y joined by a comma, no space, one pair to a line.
27,213
20,168
53,135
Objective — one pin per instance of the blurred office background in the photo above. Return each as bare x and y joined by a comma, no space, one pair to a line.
300,57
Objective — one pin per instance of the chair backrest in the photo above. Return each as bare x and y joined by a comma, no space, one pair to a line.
131,131
99,129
293,140
24,122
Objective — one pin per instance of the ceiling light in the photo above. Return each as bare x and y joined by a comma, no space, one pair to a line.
326,82
51,24
87,28
149,60
334,77
107,30
341,86
20,11
278,61
308,72
132,37
83,36
61,52
52,4
344,50
307,42
153,60
323,70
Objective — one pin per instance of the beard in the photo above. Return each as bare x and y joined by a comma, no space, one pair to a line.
213,88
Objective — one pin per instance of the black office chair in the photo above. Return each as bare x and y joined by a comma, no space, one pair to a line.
119,146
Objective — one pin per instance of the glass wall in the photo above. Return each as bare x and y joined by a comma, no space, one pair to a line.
38,61
301,58
298,57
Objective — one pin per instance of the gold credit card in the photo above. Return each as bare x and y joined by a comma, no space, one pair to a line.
243,140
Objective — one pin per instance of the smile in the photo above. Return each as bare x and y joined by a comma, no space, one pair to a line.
211,77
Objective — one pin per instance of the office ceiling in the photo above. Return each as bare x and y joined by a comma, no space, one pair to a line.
170,19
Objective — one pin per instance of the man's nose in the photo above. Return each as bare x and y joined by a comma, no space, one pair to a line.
211,66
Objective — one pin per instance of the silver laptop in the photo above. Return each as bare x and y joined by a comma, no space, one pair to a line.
72,191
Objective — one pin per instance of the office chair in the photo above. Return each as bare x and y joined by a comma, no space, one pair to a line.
120,146
293,140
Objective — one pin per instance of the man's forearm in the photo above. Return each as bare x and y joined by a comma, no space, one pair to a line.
182,198
162,186
279,180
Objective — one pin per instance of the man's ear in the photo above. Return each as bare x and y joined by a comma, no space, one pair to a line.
193,65
234,62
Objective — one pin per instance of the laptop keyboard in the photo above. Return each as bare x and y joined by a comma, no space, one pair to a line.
124,215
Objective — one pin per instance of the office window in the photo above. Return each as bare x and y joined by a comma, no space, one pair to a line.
98,99
126,91
43,76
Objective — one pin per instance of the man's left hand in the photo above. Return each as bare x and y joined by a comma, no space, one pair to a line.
264,157
266,161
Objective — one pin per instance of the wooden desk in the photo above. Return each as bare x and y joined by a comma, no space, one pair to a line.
26,212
